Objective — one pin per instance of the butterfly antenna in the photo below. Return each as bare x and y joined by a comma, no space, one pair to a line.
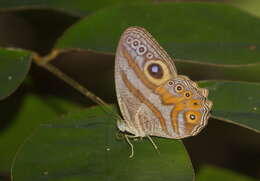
131,146
104,106
153,143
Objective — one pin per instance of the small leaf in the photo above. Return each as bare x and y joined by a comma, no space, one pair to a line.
82,147
76,7
235,102
14,66
211,173
19,118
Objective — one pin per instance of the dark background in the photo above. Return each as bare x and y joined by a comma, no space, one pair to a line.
223,144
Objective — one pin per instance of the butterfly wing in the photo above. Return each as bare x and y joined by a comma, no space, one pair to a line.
141,66
154,100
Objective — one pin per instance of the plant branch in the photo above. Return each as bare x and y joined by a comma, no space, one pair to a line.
44,62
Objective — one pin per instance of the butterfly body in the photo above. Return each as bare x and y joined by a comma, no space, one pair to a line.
153,98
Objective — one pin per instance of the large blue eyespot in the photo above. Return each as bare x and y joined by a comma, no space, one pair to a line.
155,70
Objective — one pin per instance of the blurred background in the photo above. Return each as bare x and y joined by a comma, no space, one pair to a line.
37,28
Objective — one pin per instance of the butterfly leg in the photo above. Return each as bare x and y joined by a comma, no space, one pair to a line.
153,143
119,135
131,145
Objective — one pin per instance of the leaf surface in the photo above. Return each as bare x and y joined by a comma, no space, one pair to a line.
86,146
20,116
14,66
235,102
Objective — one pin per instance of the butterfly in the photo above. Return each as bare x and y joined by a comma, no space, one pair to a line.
154,100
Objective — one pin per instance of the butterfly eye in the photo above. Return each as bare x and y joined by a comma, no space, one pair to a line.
141,50
129,40
149,55
155,70
170,83
188,94
192,117
179,88
135,43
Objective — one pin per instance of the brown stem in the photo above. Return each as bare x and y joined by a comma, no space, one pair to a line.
44,62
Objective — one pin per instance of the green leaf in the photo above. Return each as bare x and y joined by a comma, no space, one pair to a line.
76,7
207,71
252,6
235,102
222,36
14,66
20,116
215,174
86,146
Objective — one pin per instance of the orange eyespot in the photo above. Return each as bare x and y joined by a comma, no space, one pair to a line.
187,94
192,117
179,88
194,104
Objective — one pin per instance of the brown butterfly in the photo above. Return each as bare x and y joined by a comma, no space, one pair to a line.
153,98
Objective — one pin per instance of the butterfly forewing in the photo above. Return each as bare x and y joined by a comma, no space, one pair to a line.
149,104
